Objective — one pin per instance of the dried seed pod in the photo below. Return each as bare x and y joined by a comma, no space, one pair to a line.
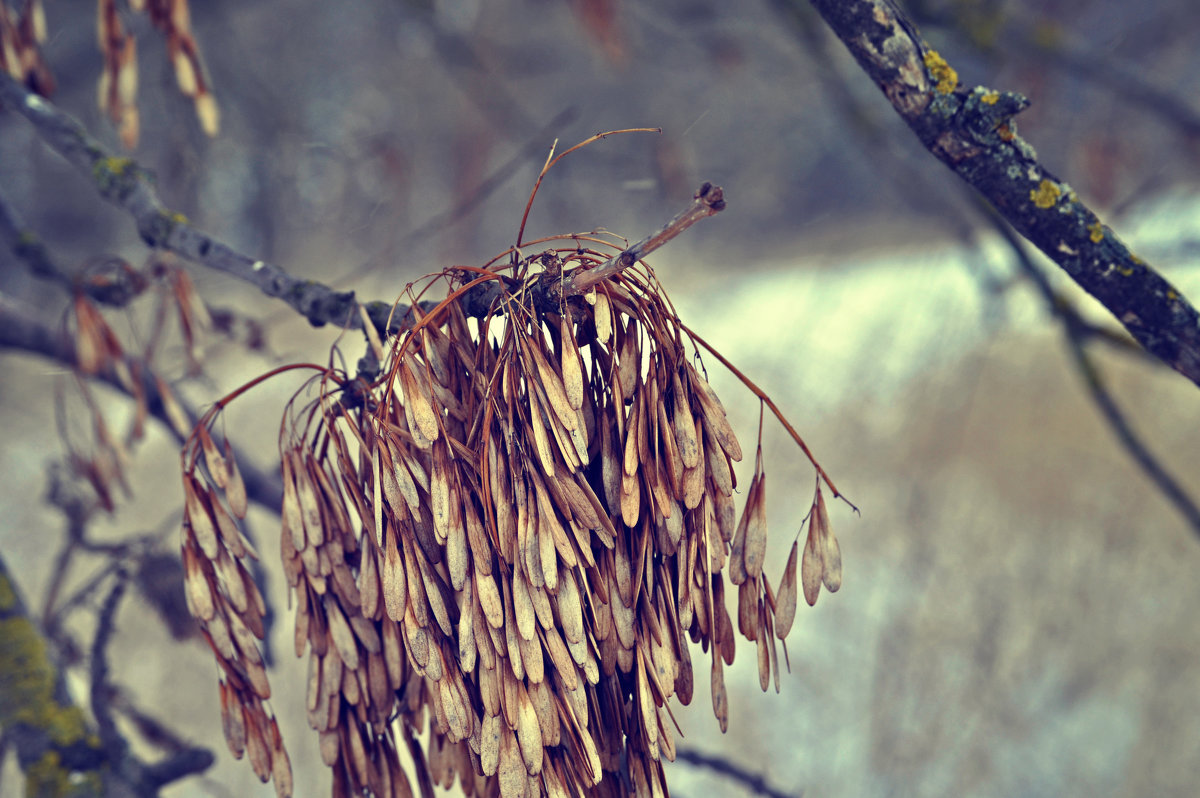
811,566
719,697
755,551
831,553
785,602
457,559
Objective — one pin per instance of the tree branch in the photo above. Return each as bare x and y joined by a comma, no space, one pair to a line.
754,783
1077,331
131,187
23,330
124,183
971,131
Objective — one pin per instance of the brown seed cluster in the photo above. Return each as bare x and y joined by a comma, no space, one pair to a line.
508,542
117,93
21,35
100,352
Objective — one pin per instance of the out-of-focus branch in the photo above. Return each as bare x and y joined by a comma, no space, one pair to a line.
55,746
1104,70
49,732
752,782
971,131
1077,331
126,184
112,741
23,330
114,283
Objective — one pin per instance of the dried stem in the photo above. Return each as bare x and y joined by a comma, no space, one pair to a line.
552,159
766,400
707,201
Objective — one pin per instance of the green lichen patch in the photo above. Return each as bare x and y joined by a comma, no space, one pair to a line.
8,597
1096,232
115,177
944,77
27,682
50,777
1045,195
115,165
990,97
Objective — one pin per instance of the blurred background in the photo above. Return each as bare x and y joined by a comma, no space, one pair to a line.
1018,616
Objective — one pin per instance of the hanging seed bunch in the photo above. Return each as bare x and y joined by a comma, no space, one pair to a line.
117,91
503,548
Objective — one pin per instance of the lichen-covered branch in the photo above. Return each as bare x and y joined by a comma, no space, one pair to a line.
126,184
56,748
972,132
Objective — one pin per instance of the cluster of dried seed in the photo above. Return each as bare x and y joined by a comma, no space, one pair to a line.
117,94
225,600
20,40
509,541
99,351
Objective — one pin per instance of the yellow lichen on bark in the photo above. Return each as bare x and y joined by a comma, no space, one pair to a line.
1045,195
944,75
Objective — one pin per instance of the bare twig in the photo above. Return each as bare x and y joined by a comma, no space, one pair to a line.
754,783
1077,331
707,201
971,131
24,330
112,740
110,281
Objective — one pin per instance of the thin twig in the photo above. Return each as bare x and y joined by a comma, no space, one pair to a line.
707,201
22,329
755,783
774,408
112,740
1076,331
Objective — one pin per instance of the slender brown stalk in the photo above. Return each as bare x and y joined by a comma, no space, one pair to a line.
707,201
